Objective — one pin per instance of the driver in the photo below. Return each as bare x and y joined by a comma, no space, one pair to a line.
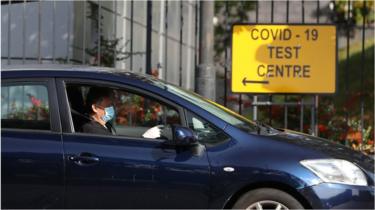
100,108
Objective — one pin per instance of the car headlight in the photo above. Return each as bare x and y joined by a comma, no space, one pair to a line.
336,171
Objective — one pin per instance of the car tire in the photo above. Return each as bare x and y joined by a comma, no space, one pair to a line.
267,198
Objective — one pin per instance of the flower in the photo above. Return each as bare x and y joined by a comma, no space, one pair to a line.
36,102
322,128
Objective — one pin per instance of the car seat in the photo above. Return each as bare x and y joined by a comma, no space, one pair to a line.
77,107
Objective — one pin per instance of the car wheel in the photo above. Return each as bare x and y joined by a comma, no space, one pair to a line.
267,198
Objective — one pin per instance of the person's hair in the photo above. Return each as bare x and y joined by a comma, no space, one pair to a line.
95,96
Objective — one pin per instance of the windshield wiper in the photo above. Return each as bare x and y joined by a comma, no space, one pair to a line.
261,125
257,127
246,127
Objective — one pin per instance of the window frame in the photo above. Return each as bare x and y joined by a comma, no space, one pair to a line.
54,116
229,137
67,121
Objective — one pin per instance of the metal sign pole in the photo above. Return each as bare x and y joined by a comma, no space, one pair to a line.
302,108
255,97
270,96
286,97
362,75
226,56
316,98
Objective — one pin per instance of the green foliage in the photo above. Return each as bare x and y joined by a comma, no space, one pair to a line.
109,49
231,12
358,11
343,119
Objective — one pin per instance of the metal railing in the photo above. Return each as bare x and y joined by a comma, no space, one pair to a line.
301,103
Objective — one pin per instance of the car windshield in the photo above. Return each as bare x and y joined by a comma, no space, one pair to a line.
216,109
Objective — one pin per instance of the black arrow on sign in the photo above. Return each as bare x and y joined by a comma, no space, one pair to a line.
244,81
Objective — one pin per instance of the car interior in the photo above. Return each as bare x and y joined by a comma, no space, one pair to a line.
77,107
135,114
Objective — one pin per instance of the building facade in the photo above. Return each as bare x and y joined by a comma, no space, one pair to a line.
139,36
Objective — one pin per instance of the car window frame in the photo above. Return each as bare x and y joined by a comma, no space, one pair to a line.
229,137
54,116
66,117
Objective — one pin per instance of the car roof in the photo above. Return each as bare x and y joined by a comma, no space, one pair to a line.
58,67
76,71
35,70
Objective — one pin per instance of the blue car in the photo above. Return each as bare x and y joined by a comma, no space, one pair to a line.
206,156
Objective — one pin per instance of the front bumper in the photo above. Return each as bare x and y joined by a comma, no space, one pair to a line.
339,196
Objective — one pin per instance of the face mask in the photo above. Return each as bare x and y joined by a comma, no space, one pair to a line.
109,113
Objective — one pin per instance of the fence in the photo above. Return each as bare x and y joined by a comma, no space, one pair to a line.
146,35
140,36
265,10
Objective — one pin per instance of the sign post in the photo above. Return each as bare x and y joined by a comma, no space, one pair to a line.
296,59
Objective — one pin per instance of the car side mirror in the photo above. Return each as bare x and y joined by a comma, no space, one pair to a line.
182,136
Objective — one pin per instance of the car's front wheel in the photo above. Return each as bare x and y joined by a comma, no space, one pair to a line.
267,198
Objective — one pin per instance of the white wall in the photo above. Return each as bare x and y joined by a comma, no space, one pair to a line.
25,36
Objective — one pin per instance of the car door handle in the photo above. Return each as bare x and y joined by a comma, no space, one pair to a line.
84,159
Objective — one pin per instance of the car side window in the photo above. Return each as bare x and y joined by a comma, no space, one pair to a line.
205,131
25,107
134,113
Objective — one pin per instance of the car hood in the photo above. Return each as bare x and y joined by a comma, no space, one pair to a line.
327,147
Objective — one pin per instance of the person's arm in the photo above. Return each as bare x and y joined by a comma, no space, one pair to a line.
95,129
87,128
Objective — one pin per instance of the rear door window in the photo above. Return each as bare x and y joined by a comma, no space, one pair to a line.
25,106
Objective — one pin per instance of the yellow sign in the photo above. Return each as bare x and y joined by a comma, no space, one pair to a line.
284,58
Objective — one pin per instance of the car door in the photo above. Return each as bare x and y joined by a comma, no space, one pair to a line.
31,147
127,170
